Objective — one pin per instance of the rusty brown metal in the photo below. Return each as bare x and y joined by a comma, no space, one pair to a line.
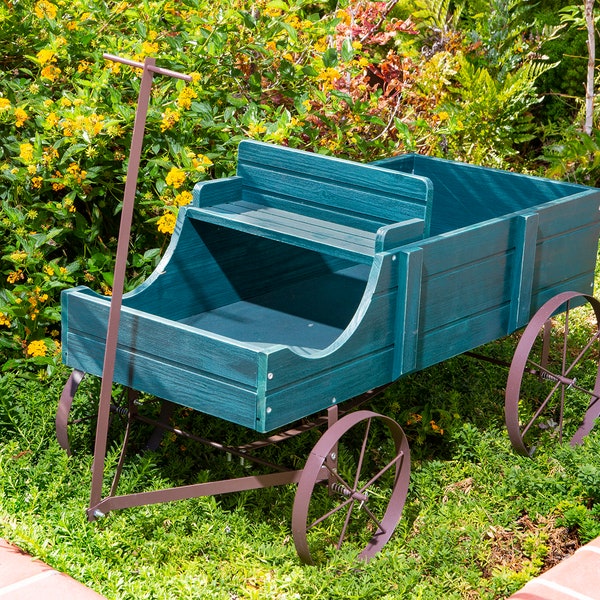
559,376
346,494
149,68
64,409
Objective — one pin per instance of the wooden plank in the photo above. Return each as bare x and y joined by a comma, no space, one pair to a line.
468,194
320,391
294,224
388,205
169,341
368,332
175,382
566,258
217,191
457,337
526,232
408,306
348,251
294,206
209,266
395,235
346,173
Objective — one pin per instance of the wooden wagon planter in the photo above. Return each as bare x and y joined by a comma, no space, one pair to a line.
306,281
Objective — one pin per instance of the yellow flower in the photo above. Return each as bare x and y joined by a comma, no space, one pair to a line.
182,199
45,55
169,118
51,120
36,182
26,152
76,172
272,11
175,177
4,320
18,256
37,348
166,224
50,72
15,276
201,162
49,270
184,100
149,47
255,129
344,17
20,117
328,76
43,8
4,104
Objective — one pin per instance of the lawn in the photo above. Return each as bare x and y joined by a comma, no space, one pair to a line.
478,523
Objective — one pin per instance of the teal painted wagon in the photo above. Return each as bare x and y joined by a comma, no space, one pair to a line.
305,281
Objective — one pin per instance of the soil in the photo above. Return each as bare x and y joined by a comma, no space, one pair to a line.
507,548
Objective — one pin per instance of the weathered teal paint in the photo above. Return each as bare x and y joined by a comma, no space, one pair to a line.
306,280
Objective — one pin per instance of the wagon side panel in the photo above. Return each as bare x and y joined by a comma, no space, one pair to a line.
467,296
567,247
301,382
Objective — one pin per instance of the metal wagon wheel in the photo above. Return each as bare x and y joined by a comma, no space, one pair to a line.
554,377
65,418
353,486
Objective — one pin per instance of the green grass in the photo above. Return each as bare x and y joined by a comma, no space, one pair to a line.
478,523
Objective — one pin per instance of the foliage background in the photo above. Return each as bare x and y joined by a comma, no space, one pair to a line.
359,79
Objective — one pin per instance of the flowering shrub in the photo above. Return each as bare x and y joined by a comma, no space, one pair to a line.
348,82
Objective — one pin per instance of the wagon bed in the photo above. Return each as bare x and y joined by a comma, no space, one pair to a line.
271,304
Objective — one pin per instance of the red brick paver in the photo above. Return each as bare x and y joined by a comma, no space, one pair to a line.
576,578
24,578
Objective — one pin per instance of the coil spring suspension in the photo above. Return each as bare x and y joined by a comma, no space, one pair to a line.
119,410
340,489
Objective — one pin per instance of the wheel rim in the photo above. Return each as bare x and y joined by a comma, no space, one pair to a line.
349,500
550,383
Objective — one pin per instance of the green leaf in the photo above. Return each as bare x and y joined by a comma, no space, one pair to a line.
330,58
347,50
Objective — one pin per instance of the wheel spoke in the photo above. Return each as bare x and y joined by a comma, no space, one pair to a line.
362,453
373,518
345,527
331,512
399,456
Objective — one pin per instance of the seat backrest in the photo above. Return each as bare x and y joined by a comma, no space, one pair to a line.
324,187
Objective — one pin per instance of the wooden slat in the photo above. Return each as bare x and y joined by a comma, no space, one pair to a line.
315,239
172,342
363,178
320,391
526,232
395,235
408,307
175,382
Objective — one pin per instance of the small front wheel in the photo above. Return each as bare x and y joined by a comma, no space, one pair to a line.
353,487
